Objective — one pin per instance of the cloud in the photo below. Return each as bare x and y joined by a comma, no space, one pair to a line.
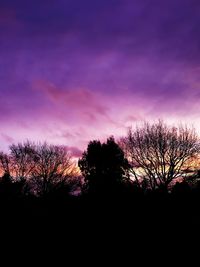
167,31
8,139
75,70
75,152
86,103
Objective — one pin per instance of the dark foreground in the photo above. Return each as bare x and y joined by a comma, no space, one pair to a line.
93,217
91,229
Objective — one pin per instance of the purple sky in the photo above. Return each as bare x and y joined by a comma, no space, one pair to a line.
75,70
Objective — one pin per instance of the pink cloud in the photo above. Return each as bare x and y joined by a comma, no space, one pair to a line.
91,110
80,99
7,138
73,117
75,151
86,103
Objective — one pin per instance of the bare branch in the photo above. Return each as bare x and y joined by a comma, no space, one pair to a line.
160,151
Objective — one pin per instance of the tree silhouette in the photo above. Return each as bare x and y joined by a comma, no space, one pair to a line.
103,166
54,168
22,159
40,167
159,153
5,163
10,189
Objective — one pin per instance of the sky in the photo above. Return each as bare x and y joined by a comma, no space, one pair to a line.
73,71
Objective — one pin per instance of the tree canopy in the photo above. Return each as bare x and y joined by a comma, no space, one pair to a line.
103,166
159,153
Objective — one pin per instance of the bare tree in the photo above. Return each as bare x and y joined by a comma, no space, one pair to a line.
54,167
159,153
22,159
41,167
5,163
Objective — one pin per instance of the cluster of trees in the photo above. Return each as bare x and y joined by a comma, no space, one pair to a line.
38,168
149,157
